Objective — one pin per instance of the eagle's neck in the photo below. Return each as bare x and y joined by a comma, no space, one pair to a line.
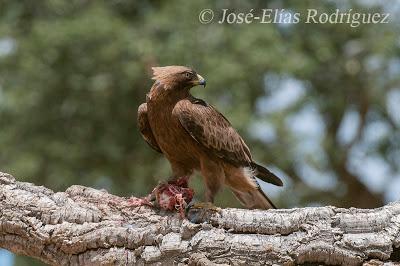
167,93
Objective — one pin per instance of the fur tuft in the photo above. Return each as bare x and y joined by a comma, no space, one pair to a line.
254,198
249,172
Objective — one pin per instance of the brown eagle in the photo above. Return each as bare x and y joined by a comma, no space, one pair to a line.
193,135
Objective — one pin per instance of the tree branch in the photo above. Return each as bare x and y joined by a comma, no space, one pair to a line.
85,226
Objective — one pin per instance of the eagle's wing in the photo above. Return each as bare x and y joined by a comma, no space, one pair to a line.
212,130
145,129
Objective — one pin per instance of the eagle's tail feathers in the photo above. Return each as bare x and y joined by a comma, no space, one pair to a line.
265,175
254,199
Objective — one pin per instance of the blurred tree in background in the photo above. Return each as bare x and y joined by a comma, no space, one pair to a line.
319,103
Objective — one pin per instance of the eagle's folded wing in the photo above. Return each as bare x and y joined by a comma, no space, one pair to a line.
145,129
213,131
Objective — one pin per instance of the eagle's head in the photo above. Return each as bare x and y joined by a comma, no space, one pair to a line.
177,77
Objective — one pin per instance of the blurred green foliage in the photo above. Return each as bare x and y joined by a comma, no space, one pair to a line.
74,73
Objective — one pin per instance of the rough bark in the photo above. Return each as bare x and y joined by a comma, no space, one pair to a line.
85,226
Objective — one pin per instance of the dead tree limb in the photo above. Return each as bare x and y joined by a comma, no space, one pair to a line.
85,226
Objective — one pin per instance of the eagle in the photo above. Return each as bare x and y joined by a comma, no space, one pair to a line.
194,136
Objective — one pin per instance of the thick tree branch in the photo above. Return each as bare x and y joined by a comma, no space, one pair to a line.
85,226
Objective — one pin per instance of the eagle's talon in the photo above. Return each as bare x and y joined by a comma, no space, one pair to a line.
200,212
205,205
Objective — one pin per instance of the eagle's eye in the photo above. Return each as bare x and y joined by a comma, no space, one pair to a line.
187,75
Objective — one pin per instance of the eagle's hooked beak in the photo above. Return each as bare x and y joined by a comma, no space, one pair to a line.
200,81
